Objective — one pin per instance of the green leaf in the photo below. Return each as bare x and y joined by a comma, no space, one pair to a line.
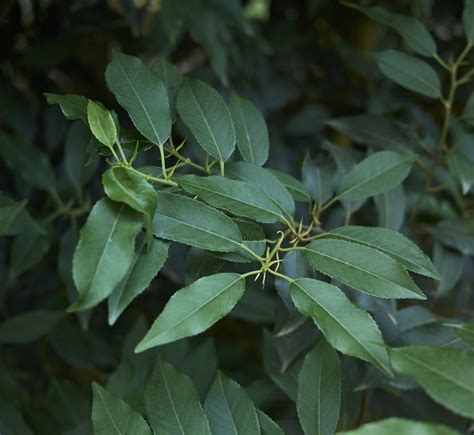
201,263
193,223
296,188
468,20
465,332
267,425
194,309
462,168
391,243
363,268
8,215
73,106
401,426
205,113
27,161
102,124
112,416
376,174
229,408
468,113
146,264
171,78
250,129
236,197
457,234
450,264
409,72
142,94
262,179
104,252
346,327
318,179
29,326
391,207
172,403
374,131
447,375
413,31
319,391
123,185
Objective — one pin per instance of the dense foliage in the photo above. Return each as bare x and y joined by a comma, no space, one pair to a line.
236,218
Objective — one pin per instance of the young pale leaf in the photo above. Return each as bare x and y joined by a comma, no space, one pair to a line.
8,214
262,179
146,263
413,31
447,375
296,188
104,252
468,113
465,332
462,168
391,243
363,268
250,129
376,174
267,425
468,20
206,114
374,131
112,416
401,426
229,409
101,124
193,223
346,327
73,106
409,72
194,309
172,403
123,185
142,94
391,207
234,196
319,391
29,326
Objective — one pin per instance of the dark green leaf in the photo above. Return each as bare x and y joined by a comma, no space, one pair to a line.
391,208
296,188
468,20
73,106
457,233
171,78
401,426
194,309
465,332
462,168
468,113
319,391
267,425
8,215
450,265
409,72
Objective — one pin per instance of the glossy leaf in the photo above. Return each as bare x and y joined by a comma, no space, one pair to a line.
262,179
237,197
447,375
376,174
112,416
363,268
194,309
206,114
391,243
409,72
251,130
142,94
102,124
123,185
193,223
229,409
172,403
319,391
401,426
73,106
104,252
346,327
145,265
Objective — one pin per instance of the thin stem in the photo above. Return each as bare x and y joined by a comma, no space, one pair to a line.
122,154
329,203
221,163
246,248
253,272
154,179
187,161
163,161
57,199
280,275
441,61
